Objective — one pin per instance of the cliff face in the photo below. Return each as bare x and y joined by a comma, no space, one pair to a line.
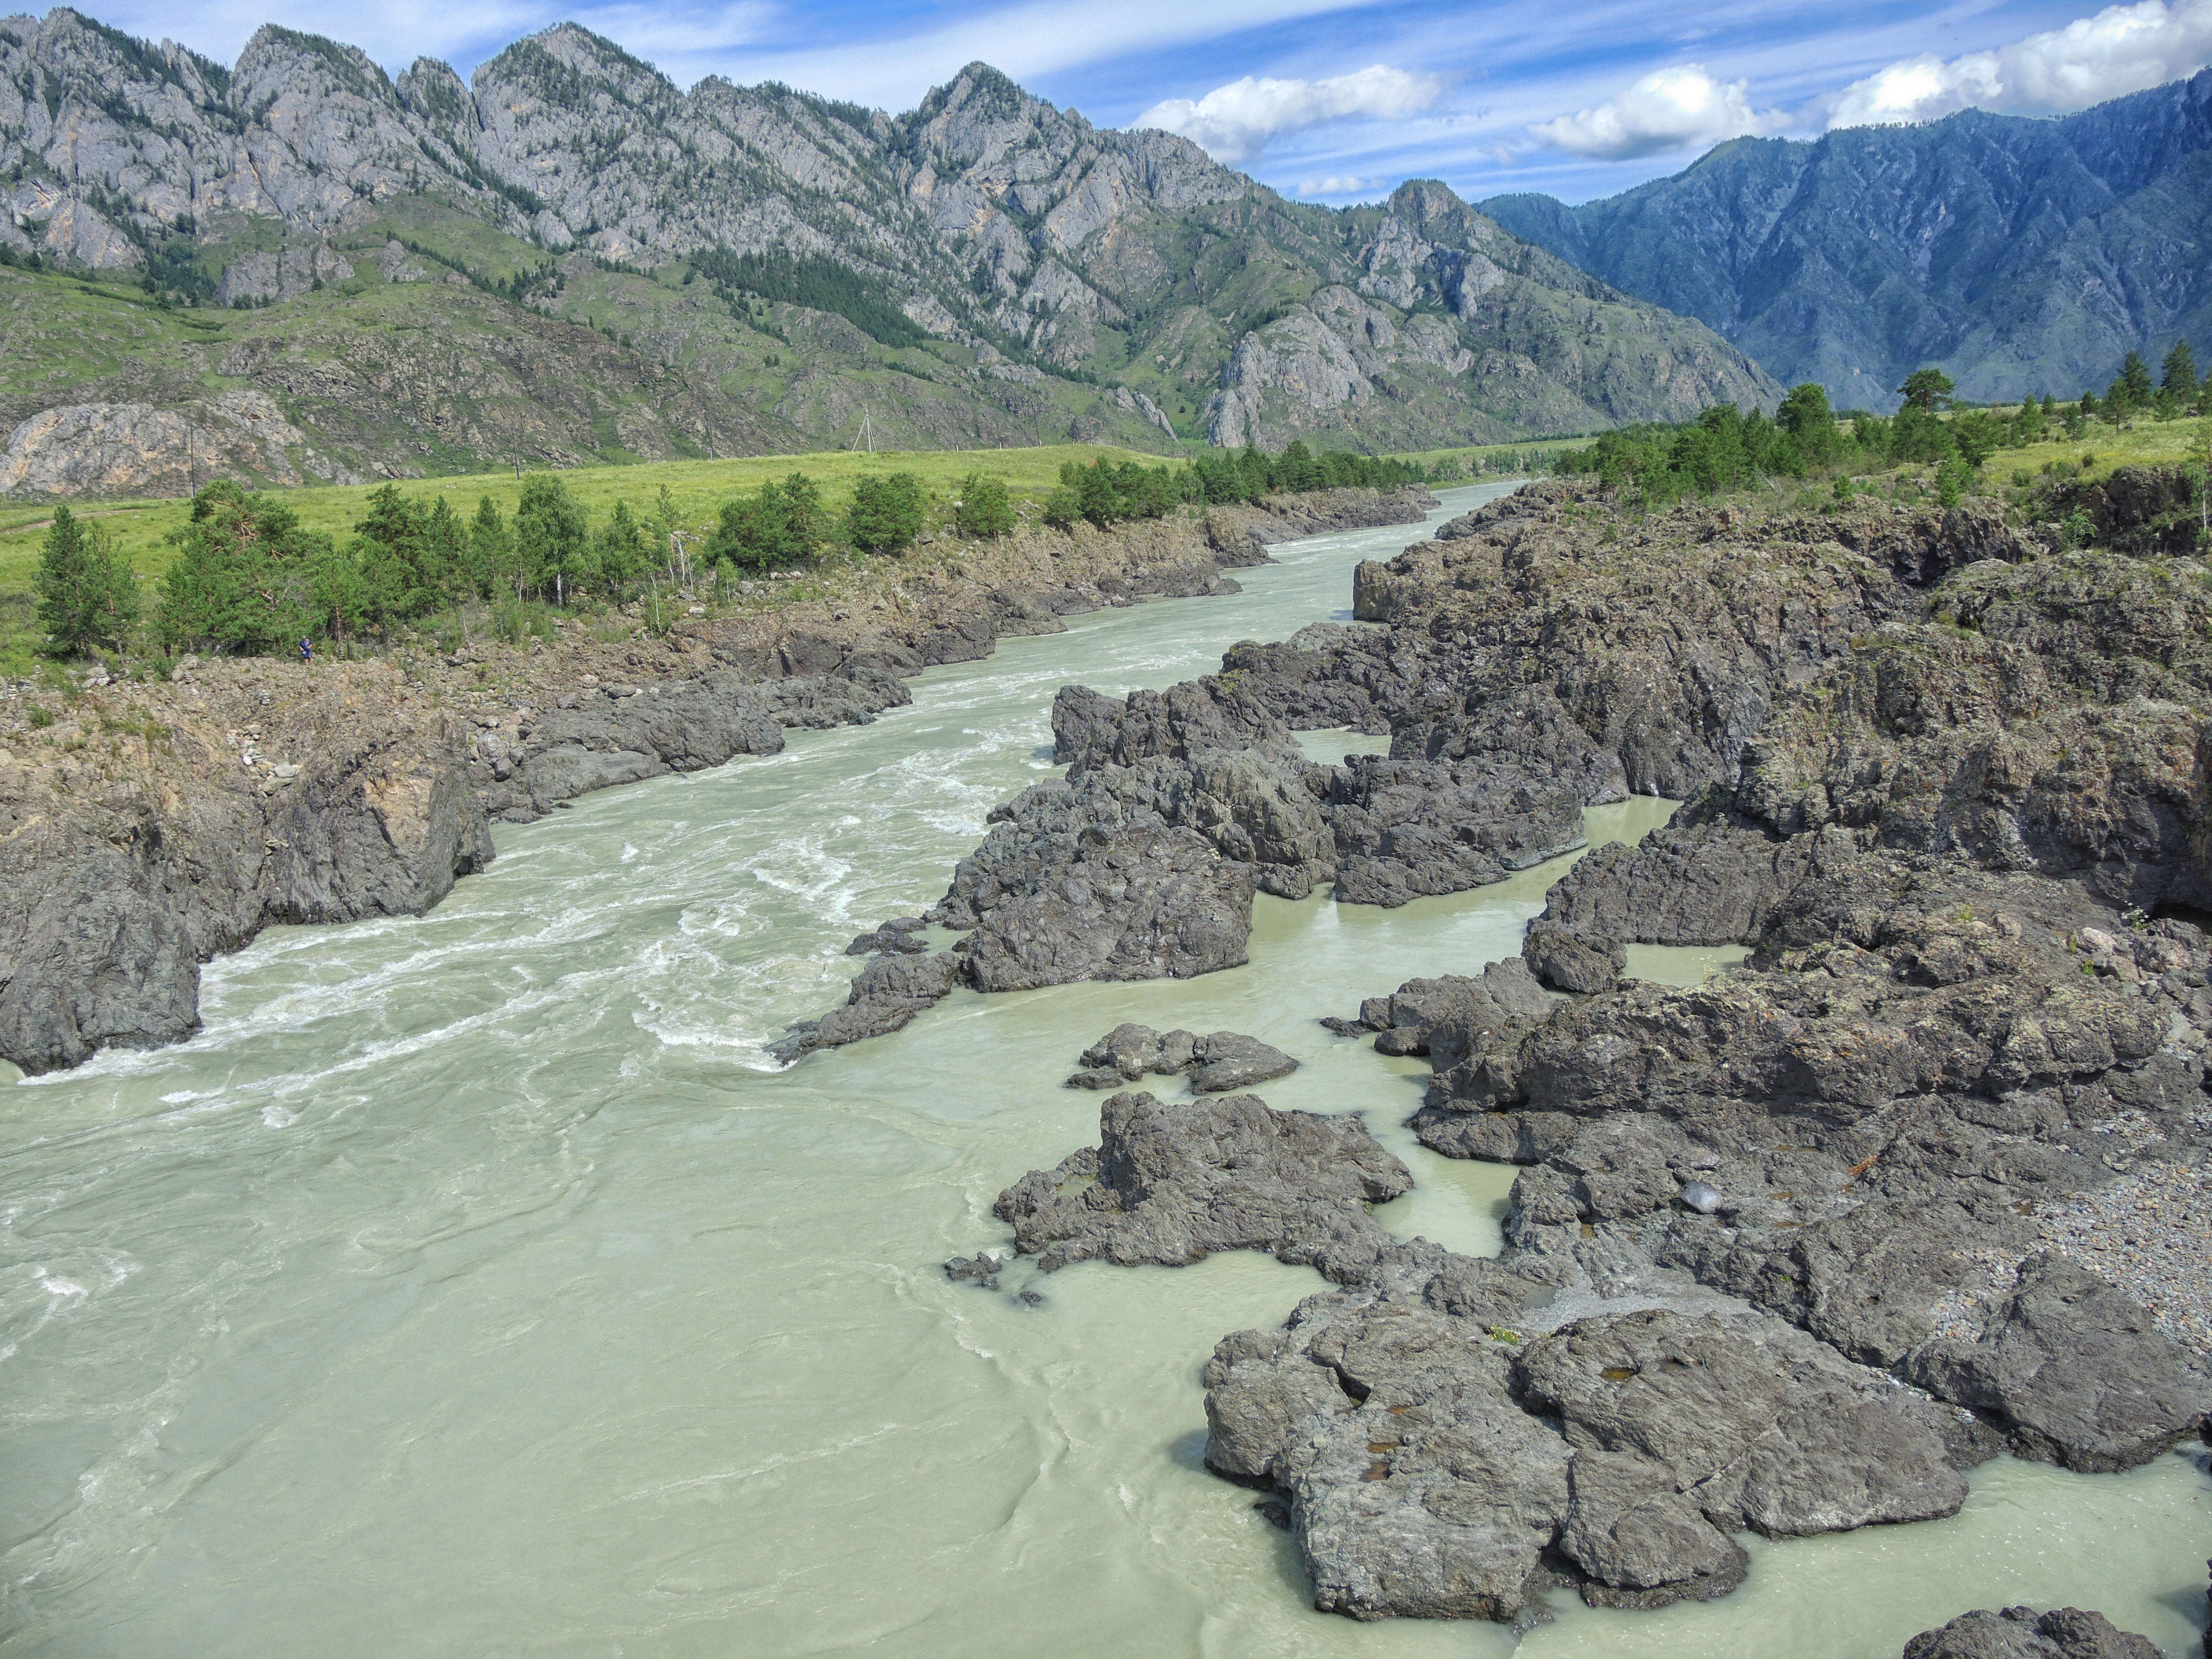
2019,256
1020,240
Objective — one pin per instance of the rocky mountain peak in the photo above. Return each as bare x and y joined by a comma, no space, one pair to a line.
988,216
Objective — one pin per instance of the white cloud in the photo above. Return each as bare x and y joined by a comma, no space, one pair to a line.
1026,39
2122,49
839,51
1335,184
1234,123
1671,109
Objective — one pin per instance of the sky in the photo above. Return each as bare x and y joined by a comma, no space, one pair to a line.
1338,102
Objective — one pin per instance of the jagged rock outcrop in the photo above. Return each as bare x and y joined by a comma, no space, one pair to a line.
1442,1453
1073,885
110,906
136,449
1407,829
1169,1184
886,997
1792,1248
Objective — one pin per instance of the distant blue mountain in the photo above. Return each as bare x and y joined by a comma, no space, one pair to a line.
2017,255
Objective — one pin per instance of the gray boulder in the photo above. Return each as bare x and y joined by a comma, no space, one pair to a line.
1447,1016
1435,1460
2073,1371
2024,1633
886,995
1070,885
901,936
1170,1183
1215,1064
1567,961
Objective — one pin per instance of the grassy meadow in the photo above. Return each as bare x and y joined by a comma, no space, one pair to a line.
696,488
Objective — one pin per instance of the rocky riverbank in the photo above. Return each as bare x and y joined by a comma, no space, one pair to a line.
1790,1251
145,826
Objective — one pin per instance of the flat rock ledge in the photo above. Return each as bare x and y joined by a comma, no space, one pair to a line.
1170,1183
1215,1064
2024,1633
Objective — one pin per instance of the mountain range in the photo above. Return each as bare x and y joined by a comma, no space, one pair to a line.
327,271
2018,255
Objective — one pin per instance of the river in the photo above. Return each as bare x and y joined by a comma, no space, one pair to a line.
473,1285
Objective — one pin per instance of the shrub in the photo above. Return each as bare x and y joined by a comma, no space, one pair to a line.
1062,507
776,524
984,510
1953,478
86,596
886,513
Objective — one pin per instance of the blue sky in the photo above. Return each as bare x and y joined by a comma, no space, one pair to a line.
1338,102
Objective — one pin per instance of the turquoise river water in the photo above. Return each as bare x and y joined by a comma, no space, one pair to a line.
472,1285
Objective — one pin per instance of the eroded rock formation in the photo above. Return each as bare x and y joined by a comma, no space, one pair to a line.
1791,1249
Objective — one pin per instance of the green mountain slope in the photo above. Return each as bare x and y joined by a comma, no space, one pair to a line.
759,269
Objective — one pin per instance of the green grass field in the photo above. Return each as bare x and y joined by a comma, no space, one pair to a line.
699,487
2141,443
698,490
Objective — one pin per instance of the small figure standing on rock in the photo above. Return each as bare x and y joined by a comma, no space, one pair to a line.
306,650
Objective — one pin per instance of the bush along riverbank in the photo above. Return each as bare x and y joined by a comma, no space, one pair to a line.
146,825
1790,1251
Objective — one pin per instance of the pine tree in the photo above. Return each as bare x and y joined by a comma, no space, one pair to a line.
1926,390
2178,374
2132,390
552,542
246,576
87,595
491,551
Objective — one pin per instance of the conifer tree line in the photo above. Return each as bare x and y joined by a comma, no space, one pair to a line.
247,576
1724,449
